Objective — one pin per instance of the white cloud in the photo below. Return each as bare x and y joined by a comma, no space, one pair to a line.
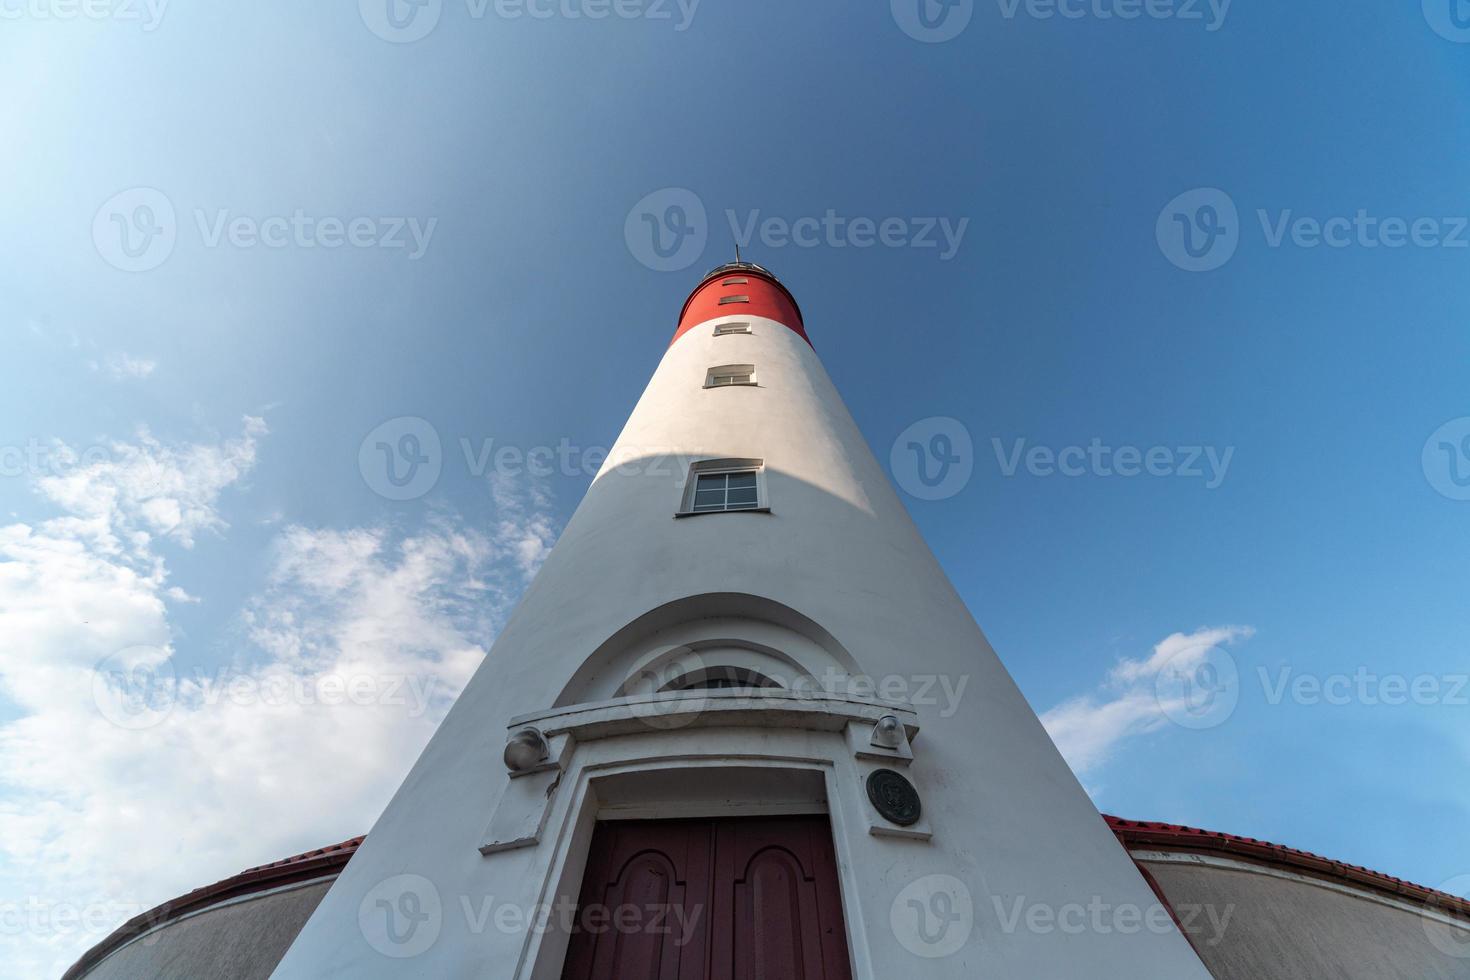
124,367
126,786
524,522
1088,729
127,493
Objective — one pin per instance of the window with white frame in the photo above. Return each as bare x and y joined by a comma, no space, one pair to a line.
724,485
727,300
726,329
730,374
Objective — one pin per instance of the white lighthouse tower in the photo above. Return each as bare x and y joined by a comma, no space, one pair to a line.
741,726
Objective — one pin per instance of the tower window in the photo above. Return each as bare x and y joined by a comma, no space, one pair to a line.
730,374
726,329
727,300
721,485
725,491
735,282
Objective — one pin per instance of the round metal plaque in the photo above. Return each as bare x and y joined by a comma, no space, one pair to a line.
894,797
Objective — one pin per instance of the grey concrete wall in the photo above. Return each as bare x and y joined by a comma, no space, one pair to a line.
243,941
1282,929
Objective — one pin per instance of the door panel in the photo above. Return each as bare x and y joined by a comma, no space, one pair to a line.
645,883
750,899
769,908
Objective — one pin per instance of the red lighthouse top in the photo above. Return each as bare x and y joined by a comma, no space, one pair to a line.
740,288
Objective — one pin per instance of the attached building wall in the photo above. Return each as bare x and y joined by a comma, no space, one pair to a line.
239,940
1252,922
1248,921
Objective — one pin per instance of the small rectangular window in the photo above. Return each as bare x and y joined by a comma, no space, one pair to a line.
725,329
715,493
735,282
727,300
720,485
730,374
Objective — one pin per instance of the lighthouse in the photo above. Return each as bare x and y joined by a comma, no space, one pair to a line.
741,726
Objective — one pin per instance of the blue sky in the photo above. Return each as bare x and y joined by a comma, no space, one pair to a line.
181,468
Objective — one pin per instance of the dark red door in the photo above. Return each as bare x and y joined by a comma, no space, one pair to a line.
751,899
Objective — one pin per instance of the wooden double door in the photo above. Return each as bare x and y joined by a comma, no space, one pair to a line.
738,899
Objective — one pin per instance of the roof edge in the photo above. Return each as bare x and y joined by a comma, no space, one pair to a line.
1167,836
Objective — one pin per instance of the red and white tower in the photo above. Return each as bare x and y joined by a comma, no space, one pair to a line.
741,725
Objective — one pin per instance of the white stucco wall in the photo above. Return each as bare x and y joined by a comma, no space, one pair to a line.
1009,820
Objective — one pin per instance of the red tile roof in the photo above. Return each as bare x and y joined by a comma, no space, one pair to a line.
1138,834
344,850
